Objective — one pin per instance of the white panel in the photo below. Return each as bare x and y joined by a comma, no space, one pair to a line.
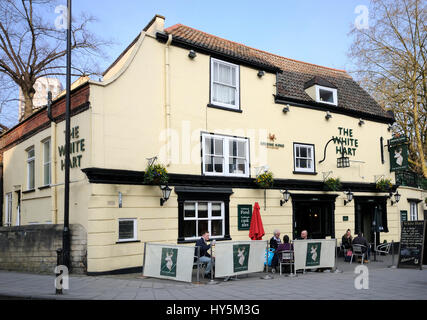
327,253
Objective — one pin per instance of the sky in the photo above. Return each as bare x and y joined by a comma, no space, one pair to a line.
311,30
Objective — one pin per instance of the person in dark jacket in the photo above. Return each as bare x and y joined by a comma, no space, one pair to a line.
281,247
360,239
347,240
205,257
275,240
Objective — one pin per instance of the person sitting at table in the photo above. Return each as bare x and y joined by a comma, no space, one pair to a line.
281,247
275,240
304,235
360,239
205,257
346,241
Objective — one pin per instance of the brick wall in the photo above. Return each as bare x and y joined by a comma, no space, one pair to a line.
33,248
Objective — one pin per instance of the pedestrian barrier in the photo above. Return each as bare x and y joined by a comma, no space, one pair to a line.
313,254
239,257
167,261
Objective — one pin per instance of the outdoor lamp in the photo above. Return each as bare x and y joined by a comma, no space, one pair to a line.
285,199
343,162
286,108
192,54
328,115
166,191
349,197
396,198
361,122
261,74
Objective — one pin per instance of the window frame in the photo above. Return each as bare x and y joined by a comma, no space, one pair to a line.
209,218
8,209
135,230
334,94
226,154
237,87
29,160
413,213
313,159
47,163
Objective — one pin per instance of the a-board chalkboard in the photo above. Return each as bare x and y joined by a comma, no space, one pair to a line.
411,246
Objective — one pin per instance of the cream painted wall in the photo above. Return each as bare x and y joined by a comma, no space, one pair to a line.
37,205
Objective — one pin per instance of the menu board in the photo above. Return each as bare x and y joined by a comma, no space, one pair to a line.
411,246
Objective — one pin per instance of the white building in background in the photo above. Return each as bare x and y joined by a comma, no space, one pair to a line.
42,86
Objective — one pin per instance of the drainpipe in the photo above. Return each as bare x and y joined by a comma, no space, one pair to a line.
54,182
167,99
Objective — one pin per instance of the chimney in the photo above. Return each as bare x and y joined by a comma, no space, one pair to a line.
157,24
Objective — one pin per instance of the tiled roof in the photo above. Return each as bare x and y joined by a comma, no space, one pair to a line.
295,74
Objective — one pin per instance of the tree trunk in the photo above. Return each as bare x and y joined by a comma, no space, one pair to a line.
28,100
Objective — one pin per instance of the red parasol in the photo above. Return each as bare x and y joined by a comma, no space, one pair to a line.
256,231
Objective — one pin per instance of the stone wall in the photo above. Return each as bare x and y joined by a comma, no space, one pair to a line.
32,248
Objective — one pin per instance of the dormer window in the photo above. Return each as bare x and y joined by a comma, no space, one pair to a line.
326,95
321,90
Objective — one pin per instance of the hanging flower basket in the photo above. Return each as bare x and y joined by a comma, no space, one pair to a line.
265,180
156,174
384,184
333,184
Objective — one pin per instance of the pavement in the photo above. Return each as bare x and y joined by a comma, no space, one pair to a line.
384,283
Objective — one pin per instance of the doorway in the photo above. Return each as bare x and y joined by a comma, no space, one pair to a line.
371,217
314,214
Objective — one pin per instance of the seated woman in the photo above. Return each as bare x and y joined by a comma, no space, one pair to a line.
281,247
346,242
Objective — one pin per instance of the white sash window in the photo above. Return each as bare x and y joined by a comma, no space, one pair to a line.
225,84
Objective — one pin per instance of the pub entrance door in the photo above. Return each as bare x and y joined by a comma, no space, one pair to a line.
370,217
314,213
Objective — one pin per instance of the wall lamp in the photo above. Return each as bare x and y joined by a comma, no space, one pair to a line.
396,197
390,127
192,54
286,196
361,122
328,115
166,192
349,195
261,74
286,108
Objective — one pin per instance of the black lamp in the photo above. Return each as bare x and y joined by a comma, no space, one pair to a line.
261,74
349,197
192,54
343,162
166,191
328,115
396,198
285,199
286,108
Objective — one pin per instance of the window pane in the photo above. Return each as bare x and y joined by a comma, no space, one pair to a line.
208,164
202,210
232,166
216,209
216,226
218,163
46,174
31,175
31,153
303,163
224,94
233,148
225,74
309,153
46,151
202,226
303,152
241,149
126,229
241,166
326,95
216,67
218,147
208,145
189,210
309,164
189,228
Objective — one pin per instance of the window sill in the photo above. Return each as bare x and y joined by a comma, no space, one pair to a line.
224,108
44,187
306,173
194,241
128,241
28,191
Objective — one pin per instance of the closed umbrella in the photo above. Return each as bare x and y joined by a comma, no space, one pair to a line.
256,231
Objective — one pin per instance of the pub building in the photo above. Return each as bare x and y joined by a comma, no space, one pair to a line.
215,113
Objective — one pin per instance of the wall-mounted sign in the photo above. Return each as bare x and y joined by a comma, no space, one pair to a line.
398,148
244,215
346,143
272,144
345,218
403,215
77,146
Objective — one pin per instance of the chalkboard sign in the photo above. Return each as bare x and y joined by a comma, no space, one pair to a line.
411,244
244,215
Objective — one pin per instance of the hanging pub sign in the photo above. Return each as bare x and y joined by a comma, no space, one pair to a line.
244,215
398,148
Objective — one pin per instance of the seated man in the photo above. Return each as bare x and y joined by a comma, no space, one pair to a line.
360,239
304,235
205,257
275,240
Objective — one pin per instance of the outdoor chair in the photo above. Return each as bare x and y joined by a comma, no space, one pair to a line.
198,264
286,257
359,251
383,249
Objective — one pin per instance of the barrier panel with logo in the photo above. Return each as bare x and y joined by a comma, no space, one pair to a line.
239,257
316,253
166,261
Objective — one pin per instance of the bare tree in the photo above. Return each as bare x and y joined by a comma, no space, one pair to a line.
32,45
391,57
